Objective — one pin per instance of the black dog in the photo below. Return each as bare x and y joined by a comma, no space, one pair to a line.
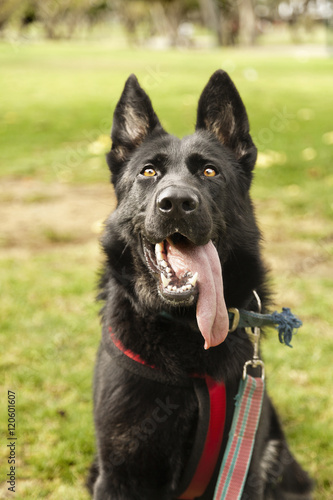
184,217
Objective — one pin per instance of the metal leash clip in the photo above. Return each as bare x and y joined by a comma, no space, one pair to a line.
254,335
235,320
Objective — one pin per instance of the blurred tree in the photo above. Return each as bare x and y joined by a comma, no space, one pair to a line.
61,18
247,22
98,10
132,15
211,14
168,15
11,10
232,22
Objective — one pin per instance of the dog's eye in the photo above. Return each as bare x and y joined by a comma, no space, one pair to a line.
210,172
149,171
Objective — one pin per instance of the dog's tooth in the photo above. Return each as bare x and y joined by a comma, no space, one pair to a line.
192,281
164,264
170,288
174,288
159,248
168,269
165,280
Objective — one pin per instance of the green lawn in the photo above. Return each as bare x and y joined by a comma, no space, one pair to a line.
55,118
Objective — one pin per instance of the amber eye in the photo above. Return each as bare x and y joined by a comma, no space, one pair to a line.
149,172
209,172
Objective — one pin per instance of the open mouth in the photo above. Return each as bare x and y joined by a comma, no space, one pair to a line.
189,274
177,282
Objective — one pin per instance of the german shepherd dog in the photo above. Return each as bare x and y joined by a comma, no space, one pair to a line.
182,246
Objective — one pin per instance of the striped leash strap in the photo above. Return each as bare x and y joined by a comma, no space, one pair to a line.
242,434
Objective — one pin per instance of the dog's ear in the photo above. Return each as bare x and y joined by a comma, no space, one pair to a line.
222,112
133,119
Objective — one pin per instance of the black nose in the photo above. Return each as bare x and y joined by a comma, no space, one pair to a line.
177,202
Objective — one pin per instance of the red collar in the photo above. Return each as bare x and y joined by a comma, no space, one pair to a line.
207,443
130,354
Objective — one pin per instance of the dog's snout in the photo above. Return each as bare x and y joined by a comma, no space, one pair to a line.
177,202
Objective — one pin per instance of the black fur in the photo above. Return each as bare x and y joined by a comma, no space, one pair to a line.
144,428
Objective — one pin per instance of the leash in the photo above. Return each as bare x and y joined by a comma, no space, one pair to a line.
248,406
249,399
238,453
285,322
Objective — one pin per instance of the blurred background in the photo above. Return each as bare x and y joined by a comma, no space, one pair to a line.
63,65
170,23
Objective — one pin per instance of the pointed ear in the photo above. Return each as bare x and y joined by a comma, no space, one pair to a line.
222,112
133,119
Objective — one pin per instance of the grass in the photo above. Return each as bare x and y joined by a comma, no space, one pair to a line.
54,126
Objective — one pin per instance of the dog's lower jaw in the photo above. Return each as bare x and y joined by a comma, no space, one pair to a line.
177,302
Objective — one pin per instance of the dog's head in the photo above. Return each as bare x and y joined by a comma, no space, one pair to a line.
183,204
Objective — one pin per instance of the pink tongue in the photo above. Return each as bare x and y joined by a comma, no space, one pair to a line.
212,315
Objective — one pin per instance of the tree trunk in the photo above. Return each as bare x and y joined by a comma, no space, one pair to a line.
212,18
247,22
